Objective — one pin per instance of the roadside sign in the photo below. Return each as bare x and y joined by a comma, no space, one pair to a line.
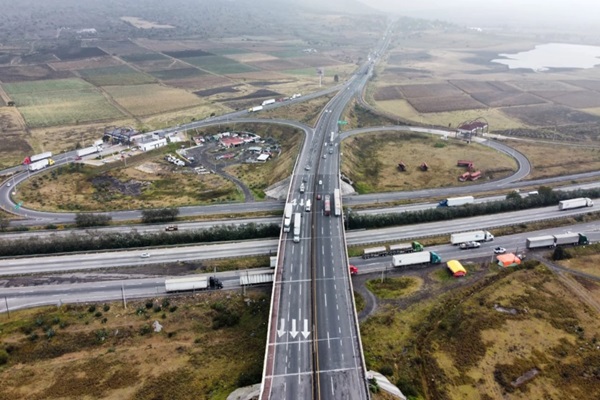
342,122
18,205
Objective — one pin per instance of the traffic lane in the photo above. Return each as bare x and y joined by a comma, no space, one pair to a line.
133,257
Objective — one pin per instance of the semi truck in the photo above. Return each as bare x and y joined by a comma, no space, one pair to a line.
476,236
255,109
327,205
297,222
36,166
375,252
287,217
192,283
37,157
456,201
402,248
88,150
267,102
575,203
575,239
423,257
337,203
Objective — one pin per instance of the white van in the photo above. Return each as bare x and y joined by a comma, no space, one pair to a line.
307,208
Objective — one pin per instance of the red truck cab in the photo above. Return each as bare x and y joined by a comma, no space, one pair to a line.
353,270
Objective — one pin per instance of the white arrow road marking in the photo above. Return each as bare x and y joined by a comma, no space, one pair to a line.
294,332
305,332
281,332
294,202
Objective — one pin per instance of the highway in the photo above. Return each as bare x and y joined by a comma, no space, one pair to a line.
113,287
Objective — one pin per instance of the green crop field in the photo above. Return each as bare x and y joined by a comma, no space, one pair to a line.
60,102
286,53
53,85
181,73
302,71
219,65
119,75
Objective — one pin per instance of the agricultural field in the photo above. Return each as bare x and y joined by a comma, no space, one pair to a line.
566,158
481,338
218,65
141,100
121,75
371,161
585,259
210,344
118,187
60,102
98,62
14,144
31,73
435,76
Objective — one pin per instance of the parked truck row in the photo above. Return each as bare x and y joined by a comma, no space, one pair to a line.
37,157
563,239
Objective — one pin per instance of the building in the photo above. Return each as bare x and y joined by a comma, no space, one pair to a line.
146,145
119,135
263,157
508,260
472,128
230,142
456,268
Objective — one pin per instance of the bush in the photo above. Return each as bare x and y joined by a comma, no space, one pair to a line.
149,304
92,308
3,357
173,309
98,314
145,329
50,333
386,370
87,220
560,254
160,215
157,308
106,307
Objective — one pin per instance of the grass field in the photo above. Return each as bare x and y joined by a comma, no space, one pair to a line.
151,99
181,73
219,65
371,161
477,341
566,159
90,189
118,75
307,111
210,344
60,102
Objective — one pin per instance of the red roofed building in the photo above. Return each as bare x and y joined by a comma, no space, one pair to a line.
231,141
472,127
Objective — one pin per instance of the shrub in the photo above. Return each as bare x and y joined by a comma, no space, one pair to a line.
145,329
92,308
33,337
149,304
106,307
50,333
98,314
386,370
173,309
166,303
3,357
157,308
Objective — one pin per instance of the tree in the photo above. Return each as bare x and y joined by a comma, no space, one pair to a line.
160,215
514,195
4,223
84,220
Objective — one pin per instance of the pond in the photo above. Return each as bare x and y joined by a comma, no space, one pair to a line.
553,55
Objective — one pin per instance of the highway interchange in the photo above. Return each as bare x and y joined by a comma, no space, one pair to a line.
314,348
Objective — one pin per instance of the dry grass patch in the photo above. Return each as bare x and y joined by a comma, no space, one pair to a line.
141,100
121,188
479,340
307,111
394,288
565,159
211,343
371,161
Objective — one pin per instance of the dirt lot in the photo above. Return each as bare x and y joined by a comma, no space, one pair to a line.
210,344
480,338
565,159
371,161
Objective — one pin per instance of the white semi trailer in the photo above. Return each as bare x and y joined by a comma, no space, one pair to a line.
297,225
186,284
456,201
575,203
476,236
422,257
287,217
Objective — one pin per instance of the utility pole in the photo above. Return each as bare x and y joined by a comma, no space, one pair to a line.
7,310
123,295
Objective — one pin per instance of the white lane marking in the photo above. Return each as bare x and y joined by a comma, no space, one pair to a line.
325,297
328,341
332,386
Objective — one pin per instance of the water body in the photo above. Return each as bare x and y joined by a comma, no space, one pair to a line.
553,55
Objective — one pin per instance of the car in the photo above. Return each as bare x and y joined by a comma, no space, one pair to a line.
469,245
8,184
171,228
318,197
330,150
324,155
145,255
320,182
499,250
307,168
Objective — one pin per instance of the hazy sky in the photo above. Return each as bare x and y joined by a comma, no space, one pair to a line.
498,12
